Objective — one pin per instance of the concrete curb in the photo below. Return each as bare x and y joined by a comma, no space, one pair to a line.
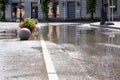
97,24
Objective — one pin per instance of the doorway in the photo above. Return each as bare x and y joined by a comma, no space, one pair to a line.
71,10
16,10
34,10
53,10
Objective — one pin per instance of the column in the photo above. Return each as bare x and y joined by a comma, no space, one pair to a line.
28,9
8,13
40,14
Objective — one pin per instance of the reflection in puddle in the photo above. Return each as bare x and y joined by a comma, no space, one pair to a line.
51,33
97,48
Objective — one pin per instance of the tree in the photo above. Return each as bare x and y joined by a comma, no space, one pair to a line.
3,6
45,8
91,6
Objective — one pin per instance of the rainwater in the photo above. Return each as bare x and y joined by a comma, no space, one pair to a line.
99,48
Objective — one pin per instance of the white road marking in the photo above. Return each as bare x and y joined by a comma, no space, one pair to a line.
52,75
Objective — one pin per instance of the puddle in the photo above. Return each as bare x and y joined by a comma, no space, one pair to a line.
97,48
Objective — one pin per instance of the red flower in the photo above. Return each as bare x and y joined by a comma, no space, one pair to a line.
21,25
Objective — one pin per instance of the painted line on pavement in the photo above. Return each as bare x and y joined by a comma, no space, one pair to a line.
52,75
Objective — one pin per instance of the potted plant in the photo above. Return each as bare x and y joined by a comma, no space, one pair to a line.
27,27
29,23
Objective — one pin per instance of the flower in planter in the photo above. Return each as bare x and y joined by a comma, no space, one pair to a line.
29,23
21,25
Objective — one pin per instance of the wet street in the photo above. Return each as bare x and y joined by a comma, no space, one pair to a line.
61,52
82,53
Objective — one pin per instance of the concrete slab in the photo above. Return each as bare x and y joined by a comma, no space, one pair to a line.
21,60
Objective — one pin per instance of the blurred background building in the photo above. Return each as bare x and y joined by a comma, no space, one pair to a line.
58,9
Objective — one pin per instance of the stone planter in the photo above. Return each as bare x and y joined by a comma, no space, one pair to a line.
31,29
24,34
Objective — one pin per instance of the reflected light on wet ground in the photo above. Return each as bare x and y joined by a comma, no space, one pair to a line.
81,53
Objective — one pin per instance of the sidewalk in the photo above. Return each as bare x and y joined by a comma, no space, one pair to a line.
115,26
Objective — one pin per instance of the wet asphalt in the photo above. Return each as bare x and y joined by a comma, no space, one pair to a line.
78,52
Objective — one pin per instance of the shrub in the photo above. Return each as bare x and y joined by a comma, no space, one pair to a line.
28,23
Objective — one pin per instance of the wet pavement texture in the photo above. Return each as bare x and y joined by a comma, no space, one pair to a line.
78,53
81,53
8,34
21,60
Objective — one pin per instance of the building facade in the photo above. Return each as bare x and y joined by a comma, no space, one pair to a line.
59,9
